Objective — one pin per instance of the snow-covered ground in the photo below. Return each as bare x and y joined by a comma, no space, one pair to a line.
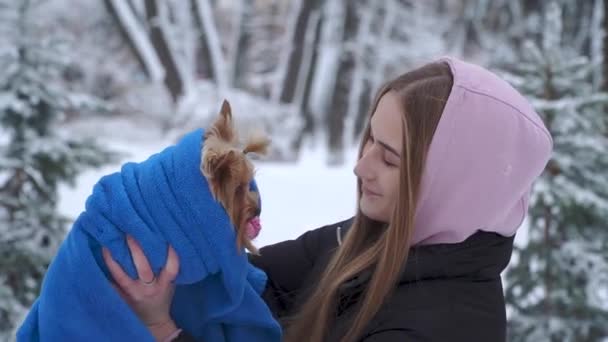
295,196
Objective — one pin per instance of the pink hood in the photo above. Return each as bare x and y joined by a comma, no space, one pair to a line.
487,151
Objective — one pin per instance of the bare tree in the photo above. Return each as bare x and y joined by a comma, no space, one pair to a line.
604,72
210,42
605,47
263,46
292,75
307,70
135,35
238,41
158,37
340,99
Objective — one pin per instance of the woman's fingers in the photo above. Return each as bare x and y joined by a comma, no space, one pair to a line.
120,291
135,288
120,277
144,271
171,268
151,302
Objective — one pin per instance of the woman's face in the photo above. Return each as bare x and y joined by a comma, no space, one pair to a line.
378,167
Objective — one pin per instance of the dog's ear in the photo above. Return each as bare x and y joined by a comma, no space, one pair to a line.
226,109
219,164
223,127
258,143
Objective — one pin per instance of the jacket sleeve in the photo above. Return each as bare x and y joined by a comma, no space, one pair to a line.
289,265
392,335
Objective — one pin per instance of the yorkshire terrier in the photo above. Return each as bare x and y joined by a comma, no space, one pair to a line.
229,172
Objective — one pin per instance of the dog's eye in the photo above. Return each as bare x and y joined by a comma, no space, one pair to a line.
240,188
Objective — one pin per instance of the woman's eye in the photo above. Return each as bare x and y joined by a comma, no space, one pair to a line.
390,163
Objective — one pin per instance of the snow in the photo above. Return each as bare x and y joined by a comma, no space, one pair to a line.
296,197
305,192
568,103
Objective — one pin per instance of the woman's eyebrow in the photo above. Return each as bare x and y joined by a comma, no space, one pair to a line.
382,143
388,148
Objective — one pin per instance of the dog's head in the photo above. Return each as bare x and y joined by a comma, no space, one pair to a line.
229,173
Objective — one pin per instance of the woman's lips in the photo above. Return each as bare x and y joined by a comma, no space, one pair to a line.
368,192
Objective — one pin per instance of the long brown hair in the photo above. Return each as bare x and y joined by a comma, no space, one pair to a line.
369,245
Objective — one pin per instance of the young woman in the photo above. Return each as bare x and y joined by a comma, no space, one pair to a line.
445,169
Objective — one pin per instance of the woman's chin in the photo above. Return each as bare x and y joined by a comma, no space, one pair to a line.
372,211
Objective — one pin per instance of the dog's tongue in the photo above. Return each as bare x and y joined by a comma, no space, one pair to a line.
253,228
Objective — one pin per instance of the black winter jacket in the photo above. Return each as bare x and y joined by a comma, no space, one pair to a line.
446,292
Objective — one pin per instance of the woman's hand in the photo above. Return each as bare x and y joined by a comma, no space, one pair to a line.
149,296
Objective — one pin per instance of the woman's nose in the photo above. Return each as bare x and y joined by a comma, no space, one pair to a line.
363,169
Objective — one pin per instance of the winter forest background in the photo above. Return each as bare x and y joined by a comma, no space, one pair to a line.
86,85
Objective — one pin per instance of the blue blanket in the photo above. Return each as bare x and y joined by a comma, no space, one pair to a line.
164,200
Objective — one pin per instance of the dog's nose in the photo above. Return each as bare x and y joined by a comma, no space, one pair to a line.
258,211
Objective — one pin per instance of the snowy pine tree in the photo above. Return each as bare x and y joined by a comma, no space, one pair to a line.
557,287
35,155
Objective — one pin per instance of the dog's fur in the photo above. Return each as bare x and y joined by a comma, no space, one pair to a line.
229,172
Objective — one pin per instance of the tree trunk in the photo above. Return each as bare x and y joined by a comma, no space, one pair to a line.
138,12
365,102
292,74
243,39
314,30
605,49
210,41
172,80
141,48
361,90
238,44
203,68
605,62
532,6
340,100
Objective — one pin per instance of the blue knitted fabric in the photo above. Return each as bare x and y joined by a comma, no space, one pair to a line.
162,200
